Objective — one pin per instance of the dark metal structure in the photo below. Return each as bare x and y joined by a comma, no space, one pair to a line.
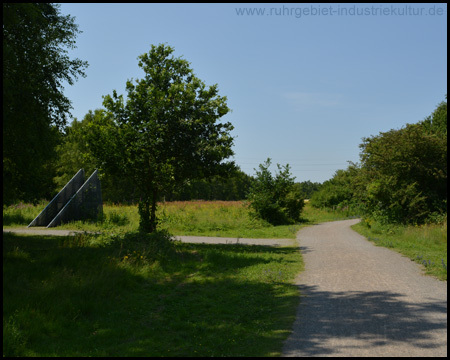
78,200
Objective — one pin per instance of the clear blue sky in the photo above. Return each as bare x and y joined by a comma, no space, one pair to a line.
305,82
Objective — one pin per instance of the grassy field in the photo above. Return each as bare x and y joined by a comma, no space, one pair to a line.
135,295
204,218
426,244
122,293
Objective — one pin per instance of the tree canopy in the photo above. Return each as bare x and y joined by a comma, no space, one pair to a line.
74,153
165,133
402,175
36,64
405,172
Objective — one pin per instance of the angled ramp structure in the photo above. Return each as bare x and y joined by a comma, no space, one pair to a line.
78,200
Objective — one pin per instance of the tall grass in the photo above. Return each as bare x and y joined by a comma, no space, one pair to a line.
204,218
21,214
218,218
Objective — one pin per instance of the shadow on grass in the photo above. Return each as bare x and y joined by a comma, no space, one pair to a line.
379,319
11,219
60,299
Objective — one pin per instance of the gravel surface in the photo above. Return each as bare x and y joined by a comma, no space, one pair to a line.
187,239
43,231
361,300
224,240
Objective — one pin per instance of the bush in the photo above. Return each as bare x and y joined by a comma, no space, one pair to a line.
275,199
405,174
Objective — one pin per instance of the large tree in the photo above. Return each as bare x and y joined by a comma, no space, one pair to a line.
405,174
165,133
36,39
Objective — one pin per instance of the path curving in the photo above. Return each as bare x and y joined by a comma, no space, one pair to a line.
358,299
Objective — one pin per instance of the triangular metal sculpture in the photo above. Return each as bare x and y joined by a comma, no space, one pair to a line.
78,200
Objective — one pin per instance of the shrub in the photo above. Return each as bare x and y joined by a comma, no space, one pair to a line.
275,199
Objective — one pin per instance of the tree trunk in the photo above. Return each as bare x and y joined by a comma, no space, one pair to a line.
153,219
148,219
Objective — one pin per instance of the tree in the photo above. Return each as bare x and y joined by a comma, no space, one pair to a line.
275,199
166,133
74,154
308,188
436,123
339,191
35,65
234,186
402,177
405,174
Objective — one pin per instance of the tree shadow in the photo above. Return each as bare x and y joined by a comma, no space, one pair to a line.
379,318
63,298
305,249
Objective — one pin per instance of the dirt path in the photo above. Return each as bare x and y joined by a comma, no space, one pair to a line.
362,300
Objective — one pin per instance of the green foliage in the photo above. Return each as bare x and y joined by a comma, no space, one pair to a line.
234,186
436,123
74,154
402,177
166,133
308,188
338,191
405,174
275,199
36,37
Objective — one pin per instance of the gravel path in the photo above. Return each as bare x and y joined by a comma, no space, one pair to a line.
42,231
224,240
187,239
361,300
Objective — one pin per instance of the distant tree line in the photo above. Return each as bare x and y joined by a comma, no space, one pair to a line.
401,177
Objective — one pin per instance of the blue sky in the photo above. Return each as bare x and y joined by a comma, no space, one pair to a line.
305,82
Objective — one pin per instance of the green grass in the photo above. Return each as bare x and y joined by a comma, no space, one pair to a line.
21,214
426,244
129,294
203,218
134,295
